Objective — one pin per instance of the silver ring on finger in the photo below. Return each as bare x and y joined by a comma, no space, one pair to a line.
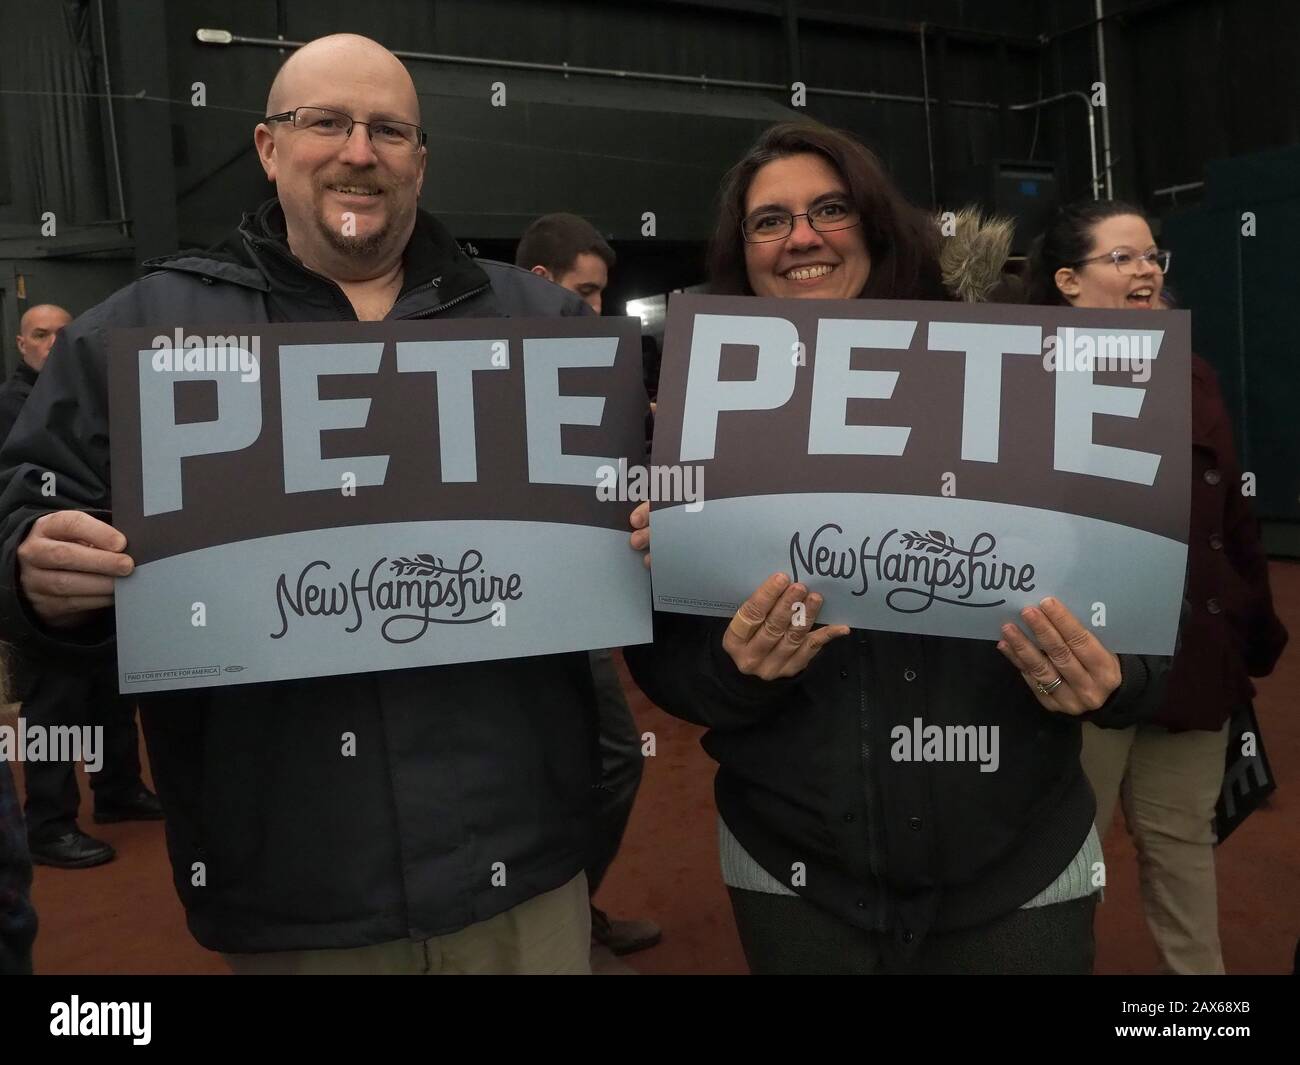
1049,688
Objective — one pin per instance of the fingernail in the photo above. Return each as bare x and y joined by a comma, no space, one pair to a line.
1049,601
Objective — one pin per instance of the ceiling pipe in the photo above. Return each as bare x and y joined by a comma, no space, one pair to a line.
1105,111
1092,127
225,37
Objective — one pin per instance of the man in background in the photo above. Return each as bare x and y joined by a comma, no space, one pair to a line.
37,329
58,695
568,250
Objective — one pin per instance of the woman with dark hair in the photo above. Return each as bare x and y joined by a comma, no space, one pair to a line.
840,855
1168,772
900,243
1065,267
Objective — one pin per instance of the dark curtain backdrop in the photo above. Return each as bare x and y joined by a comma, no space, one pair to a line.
54,151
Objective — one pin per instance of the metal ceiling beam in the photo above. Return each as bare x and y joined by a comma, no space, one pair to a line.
841,19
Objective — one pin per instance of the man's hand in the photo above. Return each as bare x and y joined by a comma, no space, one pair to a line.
1069,672
66,566
640,539
771,634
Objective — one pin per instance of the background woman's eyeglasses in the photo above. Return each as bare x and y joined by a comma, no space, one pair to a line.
1126,260
335,125
827,217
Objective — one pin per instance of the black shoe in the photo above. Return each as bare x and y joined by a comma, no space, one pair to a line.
75,850
623,937
143,805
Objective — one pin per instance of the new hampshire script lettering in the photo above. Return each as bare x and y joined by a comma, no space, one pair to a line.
924,567
416,593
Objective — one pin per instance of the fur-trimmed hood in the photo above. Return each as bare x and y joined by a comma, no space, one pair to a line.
973,251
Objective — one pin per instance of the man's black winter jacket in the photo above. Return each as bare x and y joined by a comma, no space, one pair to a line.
277,841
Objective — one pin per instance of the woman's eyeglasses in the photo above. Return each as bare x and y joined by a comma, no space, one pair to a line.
1126,260
826,217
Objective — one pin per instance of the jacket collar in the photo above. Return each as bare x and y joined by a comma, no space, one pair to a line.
257,256
23,372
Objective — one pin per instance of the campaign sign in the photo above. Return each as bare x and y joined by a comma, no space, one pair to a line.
313,499
927,467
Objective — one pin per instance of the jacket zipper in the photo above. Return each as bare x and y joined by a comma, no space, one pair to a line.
873,853
341,302
345,304
450,303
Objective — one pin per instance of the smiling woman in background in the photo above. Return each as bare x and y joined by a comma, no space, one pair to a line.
1169,772
839,858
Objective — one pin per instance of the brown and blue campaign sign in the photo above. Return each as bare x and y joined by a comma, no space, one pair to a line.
928,467
312,499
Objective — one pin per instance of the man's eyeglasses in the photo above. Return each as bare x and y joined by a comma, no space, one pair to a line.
1126,260
826,217
335,125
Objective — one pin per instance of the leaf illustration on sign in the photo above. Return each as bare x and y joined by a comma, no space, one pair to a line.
936,541
423,565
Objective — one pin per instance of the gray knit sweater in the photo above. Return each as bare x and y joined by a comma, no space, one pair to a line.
739,870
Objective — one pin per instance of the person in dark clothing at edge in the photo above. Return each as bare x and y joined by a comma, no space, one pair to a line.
17,916
312,862
36,333
53,695
568,250
839,859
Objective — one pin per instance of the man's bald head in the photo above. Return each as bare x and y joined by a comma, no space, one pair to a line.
317,65
37,329
349,200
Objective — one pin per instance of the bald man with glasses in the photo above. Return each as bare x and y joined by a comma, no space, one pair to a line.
456,837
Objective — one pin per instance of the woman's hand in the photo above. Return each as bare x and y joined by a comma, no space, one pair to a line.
1069,671
771,634
640,539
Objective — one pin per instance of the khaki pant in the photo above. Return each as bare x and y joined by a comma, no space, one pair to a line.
1168,784
548,934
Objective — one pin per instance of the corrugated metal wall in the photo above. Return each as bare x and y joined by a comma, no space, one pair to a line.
1188,81
600,126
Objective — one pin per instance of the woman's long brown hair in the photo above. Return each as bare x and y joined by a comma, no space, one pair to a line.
902,241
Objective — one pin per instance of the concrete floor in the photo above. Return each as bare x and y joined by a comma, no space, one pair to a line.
124,917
